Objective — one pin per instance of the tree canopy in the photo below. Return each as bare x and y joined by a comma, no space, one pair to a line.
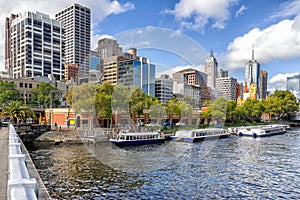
17,110
42,95
8,92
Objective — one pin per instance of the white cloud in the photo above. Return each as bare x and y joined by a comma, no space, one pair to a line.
287,9
240,11
278,82
277,42
195,14
163,69
100,10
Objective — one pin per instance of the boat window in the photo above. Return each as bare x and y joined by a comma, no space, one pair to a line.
127,137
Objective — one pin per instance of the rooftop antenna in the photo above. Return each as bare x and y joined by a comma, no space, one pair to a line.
132,39
252,51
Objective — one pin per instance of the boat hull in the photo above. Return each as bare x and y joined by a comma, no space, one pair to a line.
261,135
262,131
137,142
199,139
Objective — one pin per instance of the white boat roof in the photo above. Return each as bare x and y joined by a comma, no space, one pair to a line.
139,133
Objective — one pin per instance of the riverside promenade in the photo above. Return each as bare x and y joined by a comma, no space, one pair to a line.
41,191
4,162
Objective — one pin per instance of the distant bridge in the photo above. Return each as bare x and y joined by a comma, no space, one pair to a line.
29,132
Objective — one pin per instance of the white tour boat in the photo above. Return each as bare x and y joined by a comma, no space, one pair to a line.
198,135
263,131
137,138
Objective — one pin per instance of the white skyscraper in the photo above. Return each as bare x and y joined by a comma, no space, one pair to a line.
36,46
77,37
211,69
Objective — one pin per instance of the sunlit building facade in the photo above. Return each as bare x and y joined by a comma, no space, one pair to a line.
36,46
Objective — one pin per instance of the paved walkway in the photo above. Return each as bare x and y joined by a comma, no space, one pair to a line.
3,162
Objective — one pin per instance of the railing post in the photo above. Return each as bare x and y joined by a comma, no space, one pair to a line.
20,185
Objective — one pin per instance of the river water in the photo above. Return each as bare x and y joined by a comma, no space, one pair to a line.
236,167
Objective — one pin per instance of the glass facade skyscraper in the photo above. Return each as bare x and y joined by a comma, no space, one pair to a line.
94,61
139,73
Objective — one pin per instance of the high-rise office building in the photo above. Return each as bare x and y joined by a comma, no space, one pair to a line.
263,84
211,69
77,36
36,43
8,22
164,88
227,87
252,73
138,72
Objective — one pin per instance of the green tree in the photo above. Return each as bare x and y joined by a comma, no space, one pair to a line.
157,111
231,114
42,94
103,100
83,98
218,110
137,102
8,92
173,107
281,103
17,110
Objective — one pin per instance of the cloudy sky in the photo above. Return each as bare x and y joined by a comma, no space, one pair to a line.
182,32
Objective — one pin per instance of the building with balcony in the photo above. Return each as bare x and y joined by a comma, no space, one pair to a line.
36,46
227,87
164,88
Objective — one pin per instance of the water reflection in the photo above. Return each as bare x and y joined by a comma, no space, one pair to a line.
232,168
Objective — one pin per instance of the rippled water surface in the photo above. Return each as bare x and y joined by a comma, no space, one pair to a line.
243,168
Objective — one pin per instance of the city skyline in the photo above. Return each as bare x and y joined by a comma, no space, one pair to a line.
230,29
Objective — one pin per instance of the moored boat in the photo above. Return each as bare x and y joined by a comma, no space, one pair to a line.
198,135
262,131
137,138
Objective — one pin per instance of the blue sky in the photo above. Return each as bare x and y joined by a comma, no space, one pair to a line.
229,27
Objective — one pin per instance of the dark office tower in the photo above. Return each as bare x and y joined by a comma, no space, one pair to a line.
8,64
77,37
263,84
252,73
